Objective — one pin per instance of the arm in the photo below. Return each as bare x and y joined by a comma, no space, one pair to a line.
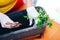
29,3
6,22
32,13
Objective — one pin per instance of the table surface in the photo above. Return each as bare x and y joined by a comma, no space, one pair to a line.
52,33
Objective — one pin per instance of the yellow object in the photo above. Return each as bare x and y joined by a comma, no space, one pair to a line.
6,5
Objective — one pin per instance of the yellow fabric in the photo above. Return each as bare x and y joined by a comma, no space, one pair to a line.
6,5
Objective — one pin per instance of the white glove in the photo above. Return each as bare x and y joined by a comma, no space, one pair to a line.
32,13
6,22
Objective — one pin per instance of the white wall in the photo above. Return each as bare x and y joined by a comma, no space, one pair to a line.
52,7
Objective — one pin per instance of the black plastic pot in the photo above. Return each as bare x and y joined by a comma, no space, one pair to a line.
21,32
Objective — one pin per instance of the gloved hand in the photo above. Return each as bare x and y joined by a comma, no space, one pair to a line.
6,22
32,14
